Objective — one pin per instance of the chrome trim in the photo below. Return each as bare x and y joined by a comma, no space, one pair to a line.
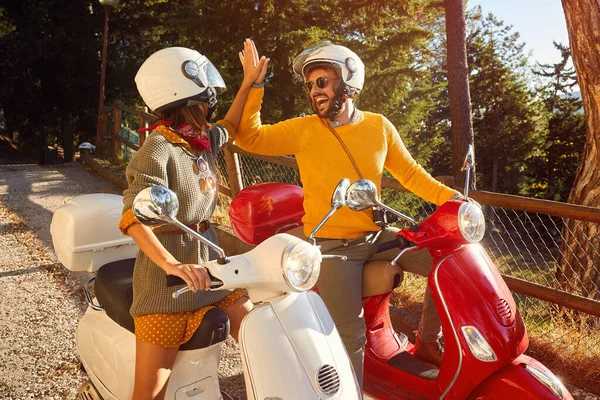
437,267
88,296
404,250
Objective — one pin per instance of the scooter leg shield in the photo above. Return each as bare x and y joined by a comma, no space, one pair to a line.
291,349
107,352
524,379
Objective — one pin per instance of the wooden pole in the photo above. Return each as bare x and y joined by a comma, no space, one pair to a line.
233,171
116,133
572,301
100,124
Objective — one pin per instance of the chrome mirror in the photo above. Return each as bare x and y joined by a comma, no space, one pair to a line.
468,166
338,199
155,205
361,195
158,204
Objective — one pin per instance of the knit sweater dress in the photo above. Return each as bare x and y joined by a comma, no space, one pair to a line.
166,159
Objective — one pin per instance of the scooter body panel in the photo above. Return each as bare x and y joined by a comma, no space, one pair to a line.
466,286
107,352
514,382
462,299
295,335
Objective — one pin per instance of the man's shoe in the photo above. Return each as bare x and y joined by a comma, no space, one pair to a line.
428,352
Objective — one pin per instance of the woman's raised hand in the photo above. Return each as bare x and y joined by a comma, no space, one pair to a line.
255,67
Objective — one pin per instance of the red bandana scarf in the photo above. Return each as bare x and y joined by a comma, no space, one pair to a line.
190,134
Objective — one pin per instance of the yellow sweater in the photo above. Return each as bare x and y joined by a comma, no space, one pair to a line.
373,142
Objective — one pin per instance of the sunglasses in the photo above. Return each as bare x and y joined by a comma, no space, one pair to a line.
321,83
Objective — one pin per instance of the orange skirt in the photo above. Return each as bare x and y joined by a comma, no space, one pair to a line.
174,329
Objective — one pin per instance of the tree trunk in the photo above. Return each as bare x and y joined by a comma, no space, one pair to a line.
458,89
578,268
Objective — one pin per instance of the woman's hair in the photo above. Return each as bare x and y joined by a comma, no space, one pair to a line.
191,115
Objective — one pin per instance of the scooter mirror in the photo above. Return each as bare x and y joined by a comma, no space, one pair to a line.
155,205
361,195
468,165
338,199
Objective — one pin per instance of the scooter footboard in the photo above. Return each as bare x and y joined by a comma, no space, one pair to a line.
291,349
524,379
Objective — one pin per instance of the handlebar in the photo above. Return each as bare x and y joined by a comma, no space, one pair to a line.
398,242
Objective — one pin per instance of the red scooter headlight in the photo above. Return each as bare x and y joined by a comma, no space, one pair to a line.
471,222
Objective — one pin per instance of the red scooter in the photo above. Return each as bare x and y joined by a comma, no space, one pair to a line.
484,335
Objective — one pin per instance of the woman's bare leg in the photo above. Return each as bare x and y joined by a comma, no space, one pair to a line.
153,364
236,312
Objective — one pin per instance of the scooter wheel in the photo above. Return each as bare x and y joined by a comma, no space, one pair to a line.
87,391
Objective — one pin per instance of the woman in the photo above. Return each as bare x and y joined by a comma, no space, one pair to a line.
181,86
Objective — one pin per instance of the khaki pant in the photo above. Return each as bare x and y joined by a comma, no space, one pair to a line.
340,286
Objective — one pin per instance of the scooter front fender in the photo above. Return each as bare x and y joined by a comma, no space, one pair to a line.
515,381
291,350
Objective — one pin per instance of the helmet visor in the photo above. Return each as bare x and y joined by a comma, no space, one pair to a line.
204,74
300,59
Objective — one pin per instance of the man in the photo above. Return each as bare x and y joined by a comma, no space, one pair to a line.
338,142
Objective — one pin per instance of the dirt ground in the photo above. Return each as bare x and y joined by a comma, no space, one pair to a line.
40,301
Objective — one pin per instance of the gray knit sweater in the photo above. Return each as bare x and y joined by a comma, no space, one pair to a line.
161,162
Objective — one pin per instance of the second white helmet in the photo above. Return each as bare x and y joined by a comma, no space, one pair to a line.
348,65
177,76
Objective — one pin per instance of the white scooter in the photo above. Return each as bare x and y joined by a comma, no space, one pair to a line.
290,348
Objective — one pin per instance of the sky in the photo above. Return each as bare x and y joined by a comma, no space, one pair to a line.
538,22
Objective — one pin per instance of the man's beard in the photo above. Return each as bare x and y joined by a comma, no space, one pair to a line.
322,112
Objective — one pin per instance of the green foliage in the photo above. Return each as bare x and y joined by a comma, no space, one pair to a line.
508,120
555,171
49,68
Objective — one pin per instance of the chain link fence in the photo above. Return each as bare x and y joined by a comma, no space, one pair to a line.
522,245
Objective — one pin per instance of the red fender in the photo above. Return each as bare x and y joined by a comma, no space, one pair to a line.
515,382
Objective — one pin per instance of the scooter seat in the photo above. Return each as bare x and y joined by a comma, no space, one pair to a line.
114,292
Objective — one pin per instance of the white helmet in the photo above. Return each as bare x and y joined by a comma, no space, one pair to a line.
347,64
176,76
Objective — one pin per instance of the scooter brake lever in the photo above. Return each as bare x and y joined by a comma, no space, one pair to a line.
213,284
334,257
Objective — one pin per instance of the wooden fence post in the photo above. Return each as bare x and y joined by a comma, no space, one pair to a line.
116,147
142,124
233,171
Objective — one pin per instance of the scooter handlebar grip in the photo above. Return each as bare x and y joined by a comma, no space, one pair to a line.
398,243
173,280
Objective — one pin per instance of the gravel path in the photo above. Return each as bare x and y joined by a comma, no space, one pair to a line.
41,302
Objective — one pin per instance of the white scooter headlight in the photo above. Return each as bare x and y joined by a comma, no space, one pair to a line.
301,264
471,222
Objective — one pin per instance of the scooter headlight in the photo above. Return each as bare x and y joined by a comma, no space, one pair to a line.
479,347
546,378
471,222
301,264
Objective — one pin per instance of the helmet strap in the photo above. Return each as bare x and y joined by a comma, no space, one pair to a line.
340,98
